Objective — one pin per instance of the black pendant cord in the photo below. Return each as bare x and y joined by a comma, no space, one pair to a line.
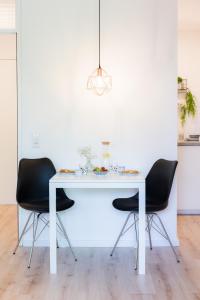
99,33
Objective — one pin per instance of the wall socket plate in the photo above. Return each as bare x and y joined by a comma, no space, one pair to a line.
35,140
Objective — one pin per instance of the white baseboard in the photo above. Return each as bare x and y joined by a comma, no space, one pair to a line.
100,243
188,212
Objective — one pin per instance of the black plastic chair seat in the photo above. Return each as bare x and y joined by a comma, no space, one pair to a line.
42,205
33,186
158,186
131,204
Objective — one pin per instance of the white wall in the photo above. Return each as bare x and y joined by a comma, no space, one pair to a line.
188,67
59,52
8,119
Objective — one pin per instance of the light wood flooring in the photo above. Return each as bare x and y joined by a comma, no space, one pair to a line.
96,276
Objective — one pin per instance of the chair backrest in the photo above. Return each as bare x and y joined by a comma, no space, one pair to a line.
33,179
159,181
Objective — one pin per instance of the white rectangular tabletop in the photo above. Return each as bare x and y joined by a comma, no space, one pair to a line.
93,181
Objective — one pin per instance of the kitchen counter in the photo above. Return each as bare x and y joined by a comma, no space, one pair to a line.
188,178
188,143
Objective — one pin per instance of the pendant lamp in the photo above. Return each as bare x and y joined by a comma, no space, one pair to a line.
99,82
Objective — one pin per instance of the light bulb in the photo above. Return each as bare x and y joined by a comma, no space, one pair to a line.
99,82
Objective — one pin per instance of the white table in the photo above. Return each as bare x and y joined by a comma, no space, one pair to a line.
91,182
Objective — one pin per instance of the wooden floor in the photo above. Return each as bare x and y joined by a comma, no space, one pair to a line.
96,276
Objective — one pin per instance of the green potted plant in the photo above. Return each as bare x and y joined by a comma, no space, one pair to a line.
189,108
179,79
182,83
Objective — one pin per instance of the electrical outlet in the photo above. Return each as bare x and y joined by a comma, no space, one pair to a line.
35,140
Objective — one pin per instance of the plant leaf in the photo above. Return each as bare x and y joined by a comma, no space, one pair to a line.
183,113
191,104
179,79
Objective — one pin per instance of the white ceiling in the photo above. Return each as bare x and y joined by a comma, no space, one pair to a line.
189,14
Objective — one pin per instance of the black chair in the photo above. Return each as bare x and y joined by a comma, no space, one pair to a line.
33,195
158,186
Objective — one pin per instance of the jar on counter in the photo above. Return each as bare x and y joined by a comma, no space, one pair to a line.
106,155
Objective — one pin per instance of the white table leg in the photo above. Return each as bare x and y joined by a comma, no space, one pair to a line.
52,218
141,251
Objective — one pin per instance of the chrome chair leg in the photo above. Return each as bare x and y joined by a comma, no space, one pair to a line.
136,235
22,234
34,238
149,232
66,236
57,243
168,238
121,233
